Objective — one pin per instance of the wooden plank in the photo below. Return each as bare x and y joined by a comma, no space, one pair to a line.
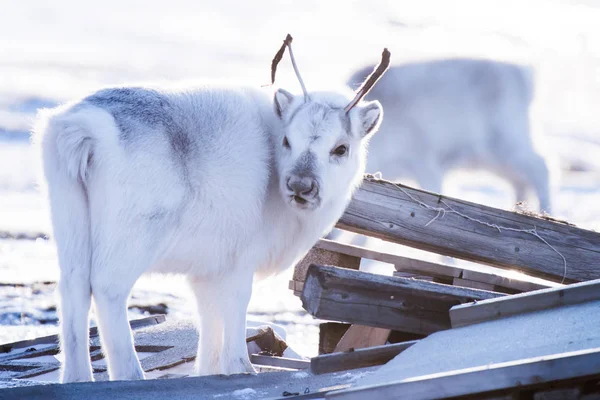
360,358
418,276
281,362
498,378
468,314
520,283
473,284
398,213
380,301
360,336
53,339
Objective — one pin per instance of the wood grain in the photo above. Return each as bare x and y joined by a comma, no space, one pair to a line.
387,211
361,358
379,301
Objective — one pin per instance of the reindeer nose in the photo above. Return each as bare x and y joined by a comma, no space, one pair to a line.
303,187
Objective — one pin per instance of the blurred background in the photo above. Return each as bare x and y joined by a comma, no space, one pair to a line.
52,52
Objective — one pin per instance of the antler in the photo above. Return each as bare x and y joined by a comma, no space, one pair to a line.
287,43
371,80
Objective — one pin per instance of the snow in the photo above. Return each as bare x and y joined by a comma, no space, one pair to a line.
52,53
247,393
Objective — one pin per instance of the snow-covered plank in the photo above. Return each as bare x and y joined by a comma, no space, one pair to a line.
526,374
537,334
536,246
380,301
473,313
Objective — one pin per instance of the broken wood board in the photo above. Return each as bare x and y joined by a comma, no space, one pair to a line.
36,357
506,279
501,378
359,358
360,336
382,301
470,231
468,314
165,350
322,257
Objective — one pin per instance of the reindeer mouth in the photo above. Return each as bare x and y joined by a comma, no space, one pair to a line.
300,200
302,203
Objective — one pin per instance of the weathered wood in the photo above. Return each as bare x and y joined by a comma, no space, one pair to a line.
266,339
391,212
407,305
419,277
473,284
281,362
324,257
360,336
468,314
360,358
521,283
22,364
53,339
498,378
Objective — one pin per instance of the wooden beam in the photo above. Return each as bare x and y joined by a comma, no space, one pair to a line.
473,284
398,213
519,283
473,313
380,301
7,348
360,358
280,362
499,378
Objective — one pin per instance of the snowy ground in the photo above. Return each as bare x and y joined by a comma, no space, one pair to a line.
51,52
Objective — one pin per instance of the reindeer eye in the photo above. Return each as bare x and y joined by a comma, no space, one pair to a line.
340,150
286,143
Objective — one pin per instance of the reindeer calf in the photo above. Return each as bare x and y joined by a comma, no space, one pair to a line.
214,183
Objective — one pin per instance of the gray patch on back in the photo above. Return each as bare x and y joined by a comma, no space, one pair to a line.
136,108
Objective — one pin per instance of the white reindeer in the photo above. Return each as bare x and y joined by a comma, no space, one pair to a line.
214,183
457,113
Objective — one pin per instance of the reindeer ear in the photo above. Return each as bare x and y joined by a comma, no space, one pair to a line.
370,117
283,99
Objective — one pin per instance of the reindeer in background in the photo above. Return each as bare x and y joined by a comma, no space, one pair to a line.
457,113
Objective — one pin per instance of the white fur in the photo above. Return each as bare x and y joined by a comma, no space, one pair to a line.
457,113
194,184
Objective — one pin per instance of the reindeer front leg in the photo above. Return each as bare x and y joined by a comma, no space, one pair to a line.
222,304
